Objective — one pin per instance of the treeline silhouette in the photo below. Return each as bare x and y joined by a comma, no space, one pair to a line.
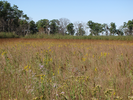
15,21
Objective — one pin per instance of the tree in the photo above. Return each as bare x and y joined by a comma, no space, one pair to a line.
91,24
43,25
63,24
70,29
32,27
23,27
124,28
105,29
17,16
22,30
5,10
112,28
95,28
130,26
10,18
54,26
119,32
80,31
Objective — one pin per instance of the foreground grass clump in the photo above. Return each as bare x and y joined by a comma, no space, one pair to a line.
47,69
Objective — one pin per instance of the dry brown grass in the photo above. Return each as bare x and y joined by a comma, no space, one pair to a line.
65,69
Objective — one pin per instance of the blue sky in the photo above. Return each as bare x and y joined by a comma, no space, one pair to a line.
101,11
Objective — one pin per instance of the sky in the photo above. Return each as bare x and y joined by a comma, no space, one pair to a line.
100,11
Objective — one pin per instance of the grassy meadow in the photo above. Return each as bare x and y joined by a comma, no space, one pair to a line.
62,69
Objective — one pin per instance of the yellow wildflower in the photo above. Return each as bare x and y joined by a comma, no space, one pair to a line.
95,69
114,93
3,53
101,54
49,50
105,54
83,59
50,59
25,67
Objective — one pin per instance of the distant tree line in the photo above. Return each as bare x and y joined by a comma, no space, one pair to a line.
14,20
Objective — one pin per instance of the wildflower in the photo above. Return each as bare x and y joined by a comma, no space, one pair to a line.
43,59
41,97
62,92
114,93
105,54
41,66
87,78
3,53
59,69
95,69
83,59
108,92
35,98
54,85
42,78
101,53
50,59
29,70
26,68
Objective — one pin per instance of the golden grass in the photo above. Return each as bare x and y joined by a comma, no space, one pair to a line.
47,69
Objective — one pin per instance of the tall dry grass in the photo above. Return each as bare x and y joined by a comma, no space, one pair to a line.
50,69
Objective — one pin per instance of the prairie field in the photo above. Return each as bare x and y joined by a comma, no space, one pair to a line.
63,69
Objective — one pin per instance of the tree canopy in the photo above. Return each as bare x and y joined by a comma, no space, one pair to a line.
11,18
70,29
14,20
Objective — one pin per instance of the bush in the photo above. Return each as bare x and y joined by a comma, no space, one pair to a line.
8,35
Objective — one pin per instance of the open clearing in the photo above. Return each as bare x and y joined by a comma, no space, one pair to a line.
50,69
